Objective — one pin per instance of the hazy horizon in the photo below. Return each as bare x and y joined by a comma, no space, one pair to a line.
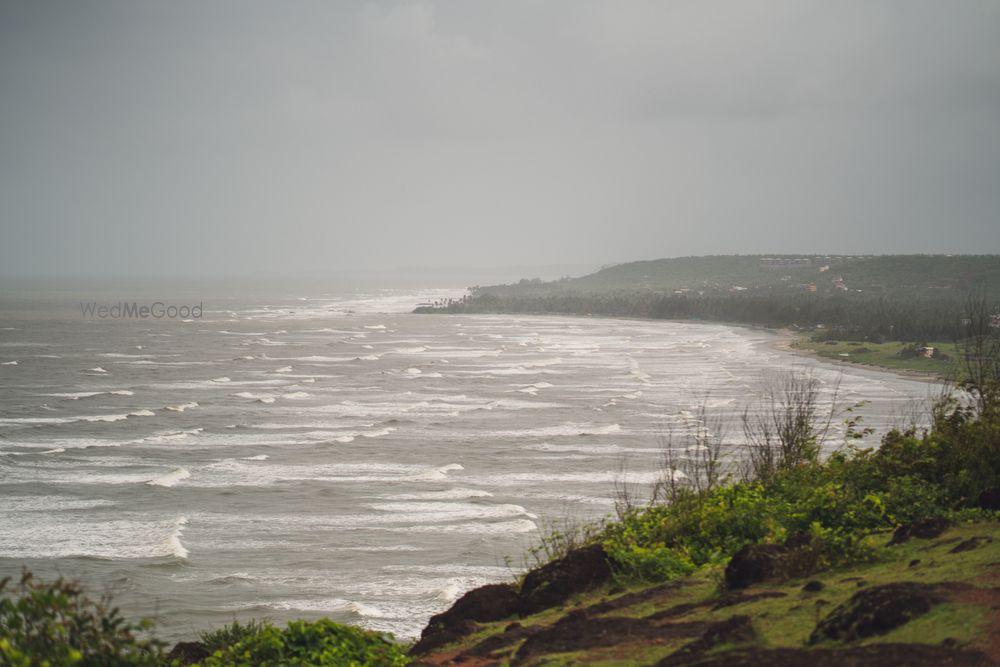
255,138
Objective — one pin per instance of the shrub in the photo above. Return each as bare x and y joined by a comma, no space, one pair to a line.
230,634
302,643
54,623
649,565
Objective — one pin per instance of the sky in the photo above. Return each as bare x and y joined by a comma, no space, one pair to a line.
229,137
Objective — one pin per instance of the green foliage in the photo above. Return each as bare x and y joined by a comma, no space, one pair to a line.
232,633
833,507
320,643
54,624
645,565
556,538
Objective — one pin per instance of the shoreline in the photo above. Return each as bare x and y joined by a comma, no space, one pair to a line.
784,344
789,338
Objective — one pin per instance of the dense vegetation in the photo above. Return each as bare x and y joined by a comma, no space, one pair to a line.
903,297
54,624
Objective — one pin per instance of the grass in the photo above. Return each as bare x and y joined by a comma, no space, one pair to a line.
788,621
882,355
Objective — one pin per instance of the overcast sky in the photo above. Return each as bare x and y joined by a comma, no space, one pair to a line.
241,136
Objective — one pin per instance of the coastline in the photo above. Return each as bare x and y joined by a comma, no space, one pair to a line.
785,344
789,337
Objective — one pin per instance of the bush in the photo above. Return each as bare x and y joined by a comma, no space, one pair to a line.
302,643
649,565
56,624
230,634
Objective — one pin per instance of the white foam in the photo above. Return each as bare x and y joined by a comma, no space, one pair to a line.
457,493
284,369
171,478
9,363
182,407
97,369
176,547
450,593
296,395
76,395
567,429
256,397
104,418
438,473
259,457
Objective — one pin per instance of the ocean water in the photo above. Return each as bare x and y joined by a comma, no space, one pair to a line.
330,454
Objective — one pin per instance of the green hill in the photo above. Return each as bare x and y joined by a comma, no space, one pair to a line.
865,298
871,273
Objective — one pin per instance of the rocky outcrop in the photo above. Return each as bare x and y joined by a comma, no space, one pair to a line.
877,610
551,585
494,602
755,563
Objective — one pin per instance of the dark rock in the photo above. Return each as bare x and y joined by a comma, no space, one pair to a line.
813,586
494,602
876,611
924,530
436,635
754,563
487,603
989,499
970,544
579,632
188,653
552,584
875,655
915,562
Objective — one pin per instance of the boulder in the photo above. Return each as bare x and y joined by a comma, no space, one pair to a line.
924,530
552,584
877,610
187,653
755,563
494,602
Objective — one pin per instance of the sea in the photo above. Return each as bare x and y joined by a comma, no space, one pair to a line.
310,452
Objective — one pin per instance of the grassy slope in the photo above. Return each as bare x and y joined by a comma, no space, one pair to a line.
882,355
788,618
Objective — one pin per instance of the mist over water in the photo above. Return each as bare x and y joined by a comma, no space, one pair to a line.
304,454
